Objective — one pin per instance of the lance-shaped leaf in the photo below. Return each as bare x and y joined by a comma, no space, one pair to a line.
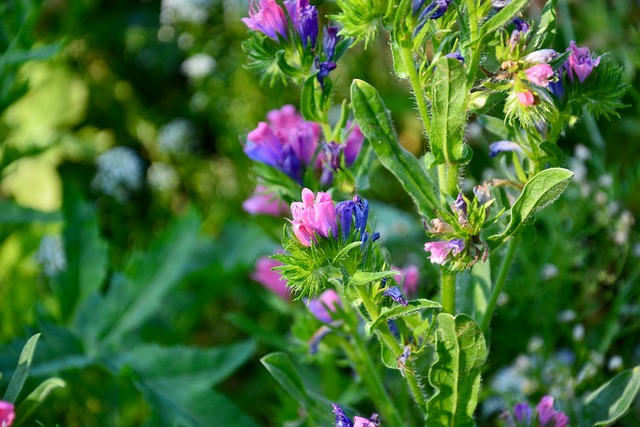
396,311
22,371
448,95
360,278
546,31
503,17
612,399
375,122
35,399
12,213
461,351
309,104
541,190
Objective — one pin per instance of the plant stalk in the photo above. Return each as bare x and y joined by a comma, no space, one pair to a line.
407,58
448,283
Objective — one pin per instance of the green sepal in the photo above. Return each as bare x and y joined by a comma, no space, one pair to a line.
413,307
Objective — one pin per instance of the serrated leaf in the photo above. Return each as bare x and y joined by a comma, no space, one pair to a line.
448,95
375,122
415,306
612,399
541,190
461,351
546,31
35,399
360,278
22,370
503,17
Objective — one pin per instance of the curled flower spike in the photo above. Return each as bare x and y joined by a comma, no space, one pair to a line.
539,74
396,295
314,216
268,18
356,212
501,146
7,413
441,250
580,62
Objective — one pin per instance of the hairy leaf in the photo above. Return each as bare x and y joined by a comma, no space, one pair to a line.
396,311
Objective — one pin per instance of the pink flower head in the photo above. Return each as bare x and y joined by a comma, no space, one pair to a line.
539,74
268,18
263,203
270,279
315,215
580,62
7,413
324,305
525,98
408,278
362,422
440,250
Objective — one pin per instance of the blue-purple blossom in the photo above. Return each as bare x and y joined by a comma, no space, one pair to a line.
341,418
522,412
434,10
324,305
456,55
556,86
502,146
522,26
393,328
343,421
331,163
314,342
268,18
330,39
580,62
356,212
460,206
441,250
395,294
305,20
545,415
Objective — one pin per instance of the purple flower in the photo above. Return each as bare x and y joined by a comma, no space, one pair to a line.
440,250
580,62
330,162
408,279
343,421
363,422
546,416
561,419
330,39
7,413
456,55
523,412
314,216
353,143
394,293
314,342
545,410
541,56
539,74
341,418
460,206
305,20
286,142
268,18
434,10
324,305
356,212
263,203
522,26
556,87
482,193
324,68
501,146
265,274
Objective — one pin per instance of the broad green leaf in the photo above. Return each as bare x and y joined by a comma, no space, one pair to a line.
546,31
86,252
503,17
12,213
495,126
541,190
375,122
35,399
308,102
22,371
461,352
476,291
394,312
283,371
448,95
612,399
360,278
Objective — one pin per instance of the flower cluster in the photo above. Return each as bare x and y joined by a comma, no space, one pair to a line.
543,416
343,421
7,413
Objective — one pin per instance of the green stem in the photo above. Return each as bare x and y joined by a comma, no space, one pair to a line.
407,58
448,283
502,278
448,179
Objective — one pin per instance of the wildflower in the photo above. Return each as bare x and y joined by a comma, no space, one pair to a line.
343,421
522,26
51,255
330,163
545,415
482,193
176,137
313,218
435,9
353,143
441,250
267,18
501,146
394,293
305,20
265,274
119,172
7,413
354,211
324,305
522,412
408,278
287,142
539,74
330,39
314,341
580,62
556,87
456,55
341,418
261,202
460,206
330,158
525,98
541,56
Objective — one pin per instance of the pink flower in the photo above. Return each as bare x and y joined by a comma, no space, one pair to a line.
580,62
353,143
313,217
362,422
7,413
525,98
408,278
268,18
539,74
441,250
326,303
270,279
264,203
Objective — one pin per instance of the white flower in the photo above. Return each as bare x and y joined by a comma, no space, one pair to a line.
198,66
120,172
51,255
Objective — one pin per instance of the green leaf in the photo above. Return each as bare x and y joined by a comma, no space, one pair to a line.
541,190
495,126
283,371
35,399
546,31
461,351
257,331
360,278
398,63
502,18
448,94
22,371
12,213
375,122
553,151
394,312
612,399
308,104
476,291
16,57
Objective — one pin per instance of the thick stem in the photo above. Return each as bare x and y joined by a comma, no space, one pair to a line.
407,59
499,285
448,179
448,283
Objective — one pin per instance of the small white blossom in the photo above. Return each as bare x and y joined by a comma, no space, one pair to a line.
198,66
578,332
120,172
614,363
175,11
176,137
51,255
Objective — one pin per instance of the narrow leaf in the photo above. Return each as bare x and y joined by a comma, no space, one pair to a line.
503,17
375,122
308,105
12,213
546,31
612,399
541,190
283,371
461,351
415,306
360,278
22,371
495,126
35,399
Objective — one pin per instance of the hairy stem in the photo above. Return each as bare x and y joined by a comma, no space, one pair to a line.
410,66
448,283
